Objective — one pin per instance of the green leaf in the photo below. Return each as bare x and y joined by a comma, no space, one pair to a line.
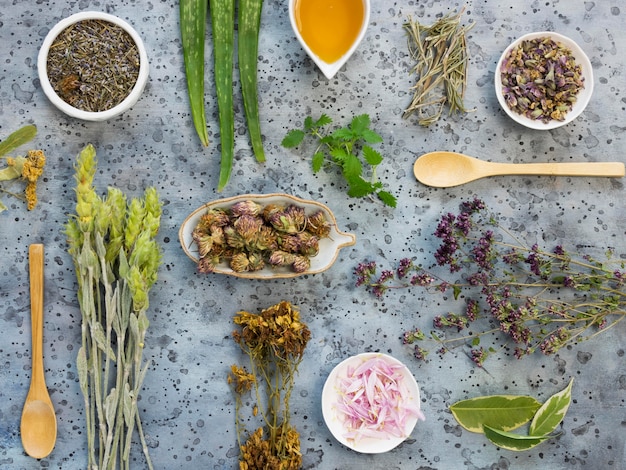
308,123
512,441
371,137
551,413
293,138
456,291
359,187
387,198
339,154
323,120
18,138
318,161
352,167
505,412
343,135
360,124
83,371
372,156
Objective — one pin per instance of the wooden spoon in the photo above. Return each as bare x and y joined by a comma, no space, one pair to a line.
446,169
39,425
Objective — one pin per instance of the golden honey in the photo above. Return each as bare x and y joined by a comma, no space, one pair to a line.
329,27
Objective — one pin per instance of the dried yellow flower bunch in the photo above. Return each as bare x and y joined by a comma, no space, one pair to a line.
27,169
274,342
251,236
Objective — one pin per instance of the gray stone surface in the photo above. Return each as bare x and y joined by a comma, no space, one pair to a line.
186,405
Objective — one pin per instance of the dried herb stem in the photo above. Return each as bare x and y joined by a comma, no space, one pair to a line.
440,55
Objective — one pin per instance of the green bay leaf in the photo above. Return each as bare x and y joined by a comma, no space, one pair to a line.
512,441
505,412
552,412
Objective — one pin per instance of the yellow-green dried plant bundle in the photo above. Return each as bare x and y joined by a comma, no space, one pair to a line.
440,55
250,236
274,342
112,243
26,169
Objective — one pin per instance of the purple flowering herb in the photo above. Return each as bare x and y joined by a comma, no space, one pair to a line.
539,300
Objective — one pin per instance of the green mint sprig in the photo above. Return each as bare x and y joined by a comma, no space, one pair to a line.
341,147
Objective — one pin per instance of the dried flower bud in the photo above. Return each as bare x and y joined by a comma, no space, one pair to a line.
233,239
245,208
318,225
271,209
301,264
239,262
248,226
281,258
255,262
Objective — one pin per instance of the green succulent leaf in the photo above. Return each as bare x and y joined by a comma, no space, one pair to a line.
552,412
512,441
504,412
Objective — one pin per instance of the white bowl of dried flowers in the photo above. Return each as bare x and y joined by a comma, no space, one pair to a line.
263,236
371,403
93,66
544,80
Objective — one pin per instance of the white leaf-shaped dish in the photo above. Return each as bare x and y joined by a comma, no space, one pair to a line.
329,247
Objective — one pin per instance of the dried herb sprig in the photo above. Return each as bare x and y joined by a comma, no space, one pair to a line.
274,342
111,241
441,59
27,169
341,148
539,300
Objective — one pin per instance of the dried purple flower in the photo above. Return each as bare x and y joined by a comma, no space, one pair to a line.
541,79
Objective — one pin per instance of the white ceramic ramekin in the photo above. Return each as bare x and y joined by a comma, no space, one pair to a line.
70,110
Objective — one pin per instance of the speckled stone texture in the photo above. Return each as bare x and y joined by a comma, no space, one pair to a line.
186,405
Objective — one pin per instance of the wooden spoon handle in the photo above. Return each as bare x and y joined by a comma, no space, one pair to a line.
614,169
36,259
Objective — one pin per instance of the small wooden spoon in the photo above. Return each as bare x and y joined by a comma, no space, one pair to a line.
39,425
447,169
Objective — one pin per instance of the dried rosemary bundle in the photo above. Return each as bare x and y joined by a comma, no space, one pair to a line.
93,65
440,54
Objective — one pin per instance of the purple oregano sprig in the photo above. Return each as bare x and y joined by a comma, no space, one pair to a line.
539,300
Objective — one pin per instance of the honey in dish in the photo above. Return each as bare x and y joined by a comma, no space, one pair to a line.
329,27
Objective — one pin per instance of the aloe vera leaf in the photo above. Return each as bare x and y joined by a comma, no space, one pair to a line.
512,441
223,25
193,17
552,412
19,137
248,48
505,412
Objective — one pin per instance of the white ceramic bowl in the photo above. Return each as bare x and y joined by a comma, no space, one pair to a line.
334,420
328,247
329,69
70,110
582,98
